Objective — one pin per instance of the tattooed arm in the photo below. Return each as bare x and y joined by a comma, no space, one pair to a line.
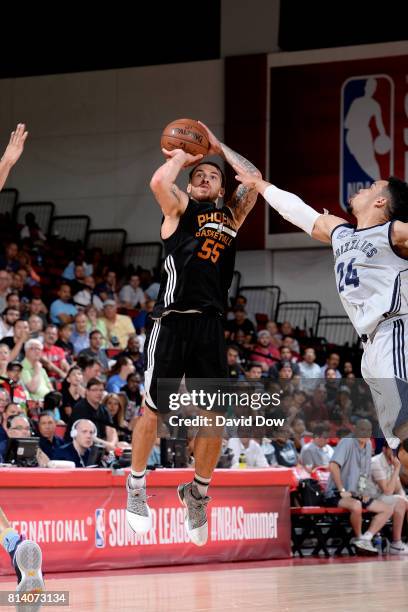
244,197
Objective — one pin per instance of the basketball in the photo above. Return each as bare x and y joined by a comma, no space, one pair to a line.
382,144
186,134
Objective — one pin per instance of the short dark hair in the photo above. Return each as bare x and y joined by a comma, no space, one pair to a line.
92,382
95,331
209,163
398,206
48,413
320,431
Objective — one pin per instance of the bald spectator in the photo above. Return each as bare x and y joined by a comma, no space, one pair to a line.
79,450
119,327
62,311
34,376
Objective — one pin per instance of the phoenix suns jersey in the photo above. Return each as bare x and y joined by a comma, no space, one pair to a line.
199,261
371,277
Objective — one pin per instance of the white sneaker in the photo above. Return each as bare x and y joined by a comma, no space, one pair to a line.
138,513
27,562
195,515
365,546
398,549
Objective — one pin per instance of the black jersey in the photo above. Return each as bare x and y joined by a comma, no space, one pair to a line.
199,261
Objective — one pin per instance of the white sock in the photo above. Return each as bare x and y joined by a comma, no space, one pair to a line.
202,484
397,543
367,536
137,480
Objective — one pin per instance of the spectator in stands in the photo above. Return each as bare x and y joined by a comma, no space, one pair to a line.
119,374
13,301
47,426
64,334
83,433
299,432
10,410
53,357
132,295
107,289
87,296
286,357
96,322
90,407
254,371
348,485
18,392
385,469
133,395
9,261
5,283
61,310
7,320
152,291
72,391
318,452
276,336
117,410
17,340
315,410
133,352
18,285
241,322
91,368
69,272
250,449
341,412
293,345
333,361
284,449
36,327
33,375
309,370
77,284
4,359
234,368
140,320
331,384
264,352
4,400
31,231
119,327
95,350
80,336
347,368
36,307
20,427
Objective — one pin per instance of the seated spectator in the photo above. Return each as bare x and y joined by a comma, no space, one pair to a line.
17,340
36,327
33,375
254,455
276,336
36,307
341,412
139,321
11,410
95,350
80,336
19,285
309,370
117,410
17,391
317,452
132,295
77,283
284,449
5,283
119,374
107,289
86,296
69,272
333,361
96,323
90,407
264,352
7,320
83,433
64,334
53,404
347,368
241,322
315,409
13,301
47,426
152,291
31,231
91,368
133,352
53,357
9,261
234,368
133,394
61,310
286,357
72,391
4,359
254,371
293,345
119,327
20,427
299,432
350,469
385,469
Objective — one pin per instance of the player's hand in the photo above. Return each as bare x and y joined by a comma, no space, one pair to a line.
215,145
187,158
16,145
247,179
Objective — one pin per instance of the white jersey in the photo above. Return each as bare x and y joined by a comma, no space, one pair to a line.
372,280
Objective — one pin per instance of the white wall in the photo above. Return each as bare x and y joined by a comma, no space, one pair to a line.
95,137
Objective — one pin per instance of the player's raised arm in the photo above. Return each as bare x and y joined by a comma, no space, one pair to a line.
171,199
244,197
292,208
13,152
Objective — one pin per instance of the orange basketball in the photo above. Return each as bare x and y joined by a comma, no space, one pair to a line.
186,134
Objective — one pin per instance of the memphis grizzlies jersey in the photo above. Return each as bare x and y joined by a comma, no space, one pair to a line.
371,277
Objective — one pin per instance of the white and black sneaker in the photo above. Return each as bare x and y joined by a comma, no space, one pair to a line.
364,547
195,515
138,513
398,549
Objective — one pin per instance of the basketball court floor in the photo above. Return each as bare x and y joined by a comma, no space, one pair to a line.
309,585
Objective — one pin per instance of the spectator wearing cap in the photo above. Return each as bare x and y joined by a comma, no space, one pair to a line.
80,336
47,426
61,310
317,452
119,327
309,370
241,323
17,341
132,295
18,392
264,352
33,375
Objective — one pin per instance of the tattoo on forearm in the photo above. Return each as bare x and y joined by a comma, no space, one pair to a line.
236,159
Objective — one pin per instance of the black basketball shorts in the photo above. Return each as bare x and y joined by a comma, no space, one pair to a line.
183,344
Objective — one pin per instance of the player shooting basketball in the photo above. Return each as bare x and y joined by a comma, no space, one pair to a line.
371,277
187,337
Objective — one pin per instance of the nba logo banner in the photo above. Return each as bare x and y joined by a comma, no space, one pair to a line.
366,133
100,527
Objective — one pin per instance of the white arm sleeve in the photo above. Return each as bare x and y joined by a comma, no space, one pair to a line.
292,208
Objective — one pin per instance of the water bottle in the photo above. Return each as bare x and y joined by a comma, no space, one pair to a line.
242,461
377,542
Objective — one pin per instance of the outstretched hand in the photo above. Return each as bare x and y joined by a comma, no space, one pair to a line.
15,146
189,160
215,145
248,179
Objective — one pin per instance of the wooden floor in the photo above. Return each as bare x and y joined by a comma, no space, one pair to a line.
338,587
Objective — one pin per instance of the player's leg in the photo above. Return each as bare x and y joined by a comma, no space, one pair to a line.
25,556
206,364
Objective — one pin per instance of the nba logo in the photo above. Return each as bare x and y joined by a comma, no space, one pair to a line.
100,527
366,133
